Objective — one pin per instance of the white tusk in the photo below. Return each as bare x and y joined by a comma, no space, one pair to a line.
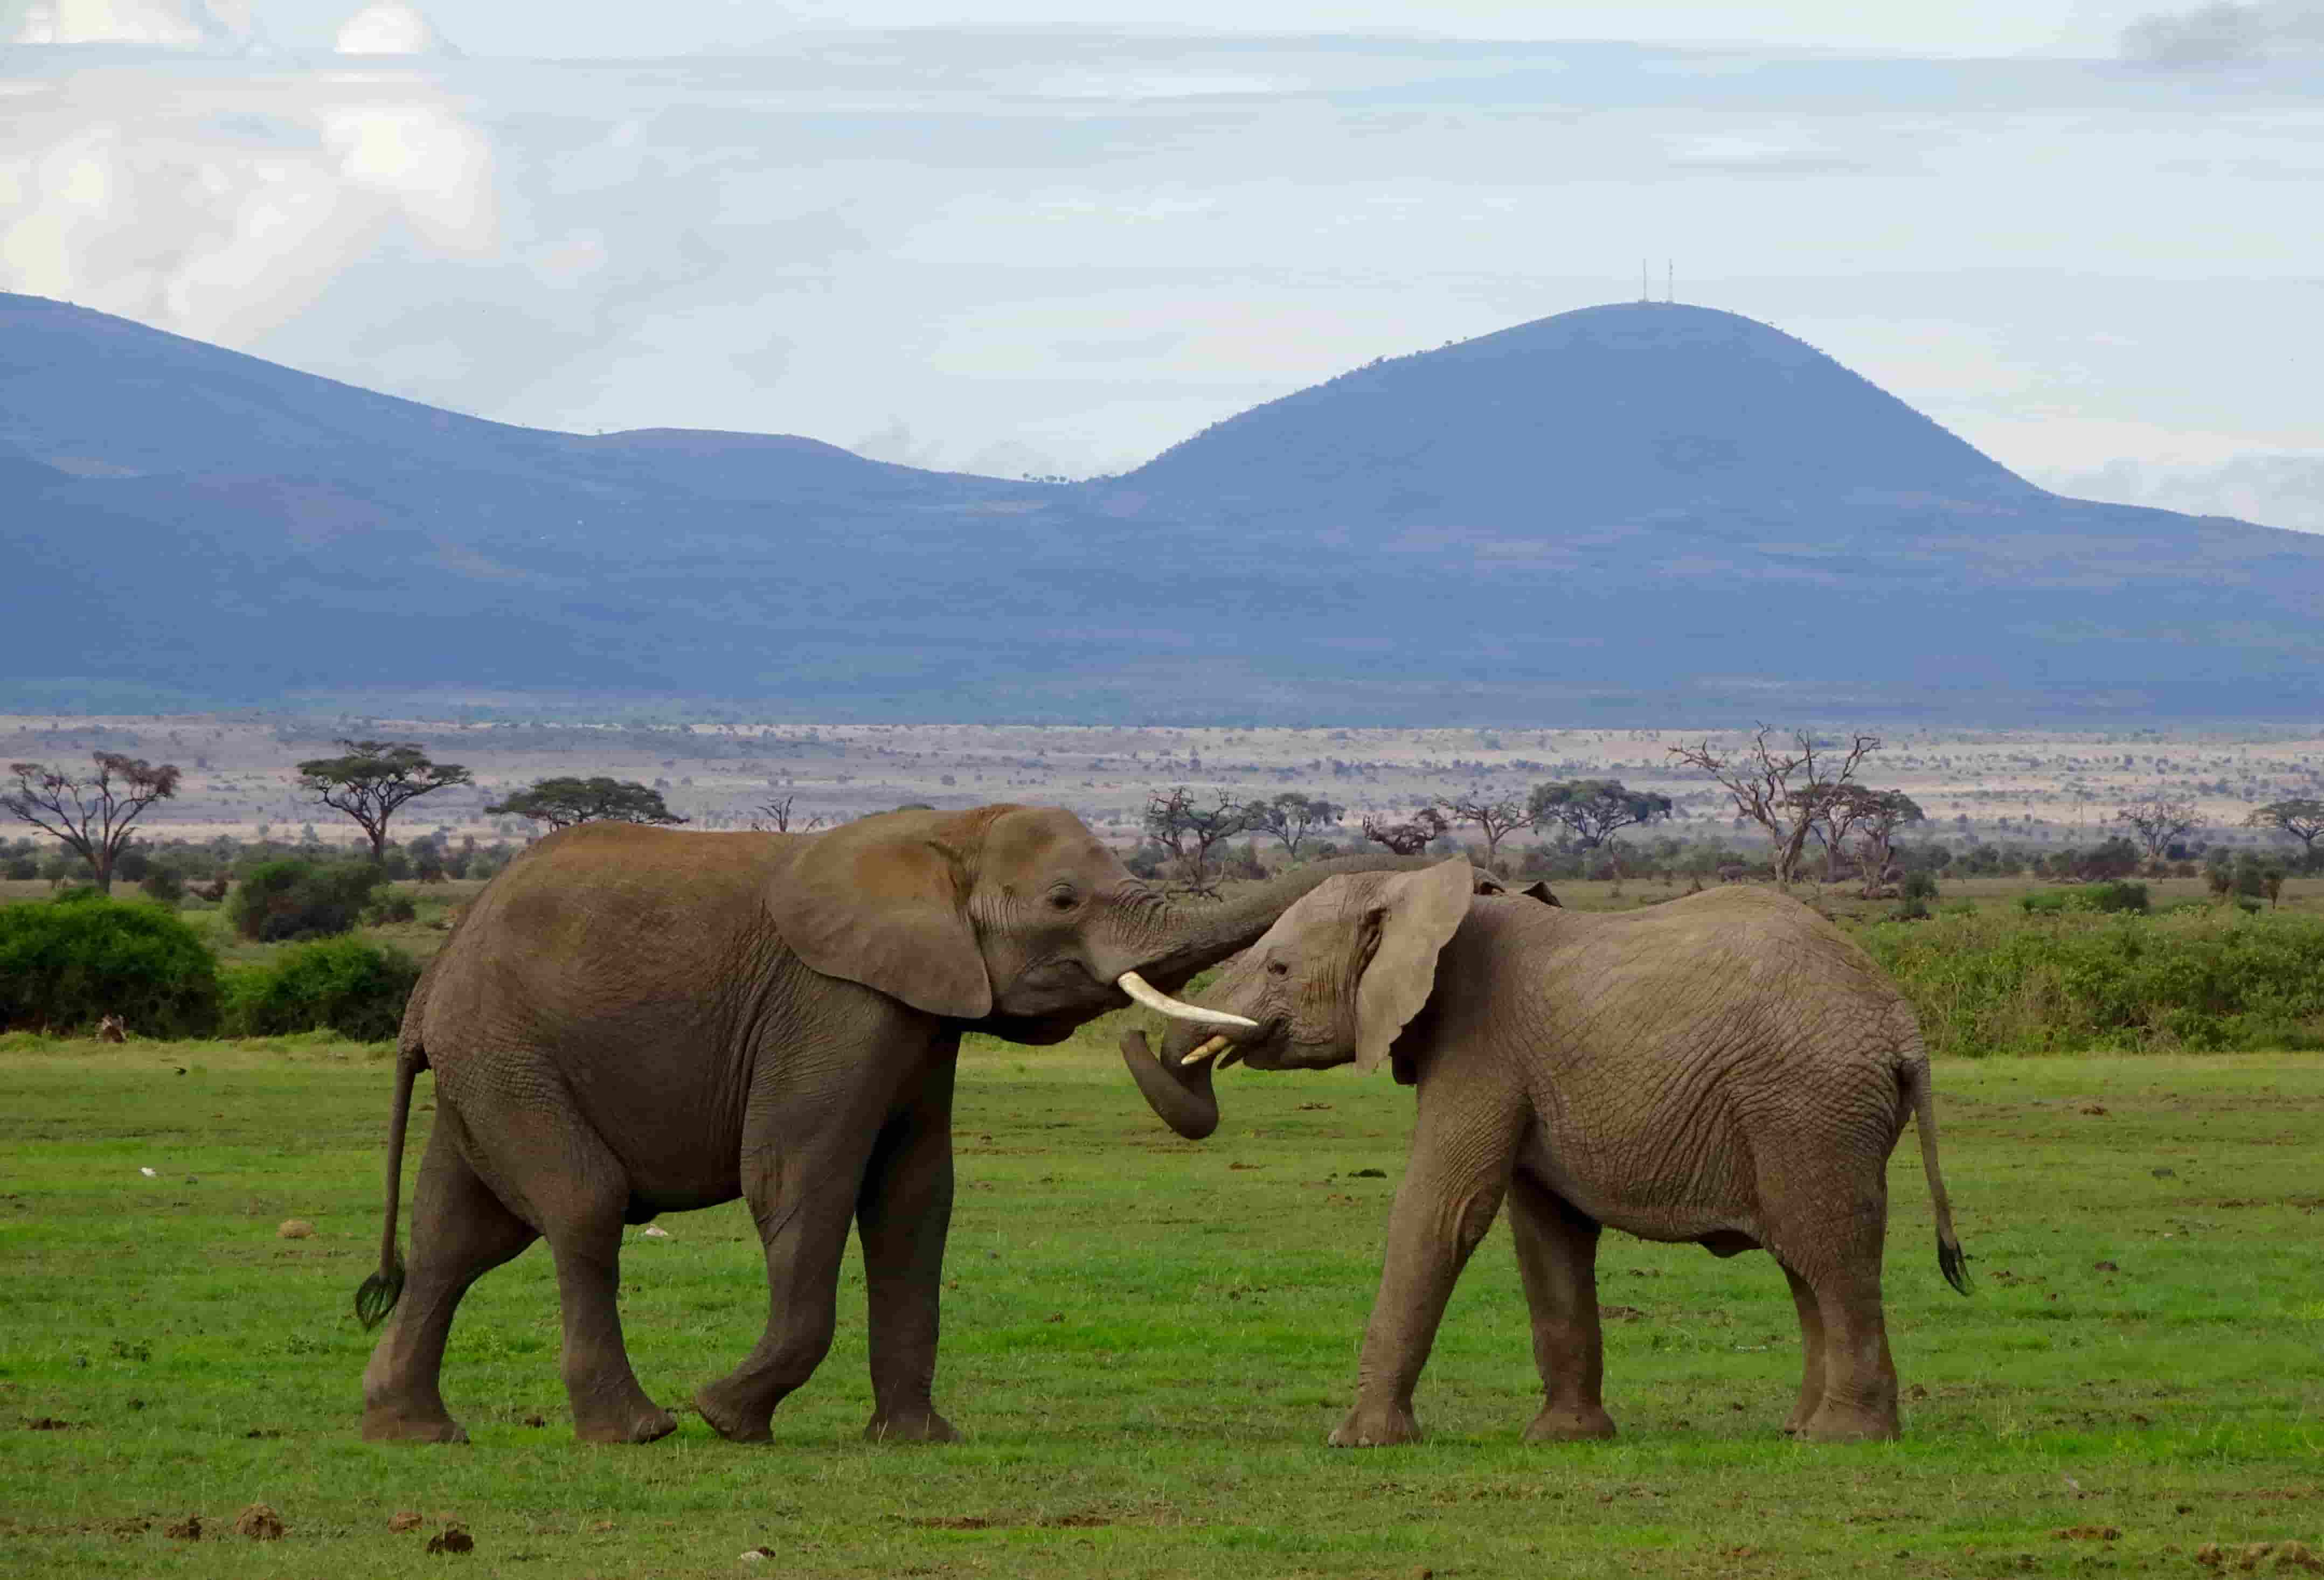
1216,1044
1154,999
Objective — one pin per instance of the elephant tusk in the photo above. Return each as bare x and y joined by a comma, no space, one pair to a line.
1216,1044
1154,999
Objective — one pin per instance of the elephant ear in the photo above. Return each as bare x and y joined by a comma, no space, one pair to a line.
1416,916
884,901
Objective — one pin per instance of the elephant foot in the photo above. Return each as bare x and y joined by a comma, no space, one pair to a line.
646,1425
1570,1426
386,1424
735,1422
1842,1424
917,1425
1377,1427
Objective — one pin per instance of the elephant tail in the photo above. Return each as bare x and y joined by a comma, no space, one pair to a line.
382,1289
1920,1090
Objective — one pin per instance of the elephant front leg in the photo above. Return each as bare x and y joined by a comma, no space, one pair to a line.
1450,1192
801,1195
902,1217
1557,1257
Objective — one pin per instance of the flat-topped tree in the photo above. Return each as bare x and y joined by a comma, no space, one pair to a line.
1593,810
2301,817
1497,820
91,814
1783,789
373,778
1292,816
562,802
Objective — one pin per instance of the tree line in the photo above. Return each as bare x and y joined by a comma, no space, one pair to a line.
1800,791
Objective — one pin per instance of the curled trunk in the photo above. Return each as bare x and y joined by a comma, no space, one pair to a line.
1181,1096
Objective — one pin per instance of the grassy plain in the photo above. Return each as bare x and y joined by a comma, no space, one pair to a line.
1148,1339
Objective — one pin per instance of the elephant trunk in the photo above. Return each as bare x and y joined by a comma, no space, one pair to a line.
1180,1095
1182,940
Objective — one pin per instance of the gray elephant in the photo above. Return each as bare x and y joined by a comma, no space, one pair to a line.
633,1021
1725,1068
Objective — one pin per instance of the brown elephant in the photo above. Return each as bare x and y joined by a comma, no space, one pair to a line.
1725,1068
631,1021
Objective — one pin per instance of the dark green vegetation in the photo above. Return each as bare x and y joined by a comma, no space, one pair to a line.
1147,1340
1584,515
2199,977
65,963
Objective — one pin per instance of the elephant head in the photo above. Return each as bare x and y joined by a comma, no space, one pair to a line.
1013,918
1332,981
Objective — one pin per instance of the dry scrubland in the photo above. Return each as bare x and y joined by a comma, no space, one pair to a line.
240,767
1146,1340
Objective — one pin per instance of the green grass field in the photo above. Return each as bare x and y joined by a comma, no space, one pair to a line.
1146,1341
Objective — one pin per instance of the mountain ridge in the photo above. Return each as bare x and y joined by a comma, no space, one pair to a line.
1637,511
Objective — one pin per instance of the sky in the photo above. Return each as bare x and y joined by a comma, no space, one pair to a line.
2088,235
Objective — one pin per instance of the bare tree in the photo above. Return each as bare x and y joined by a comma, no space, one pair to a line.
373,778
775,816
1407,838
1188,830
1593,810
1781,788
2157,820
1292,816
1496,820
2301,817
92,814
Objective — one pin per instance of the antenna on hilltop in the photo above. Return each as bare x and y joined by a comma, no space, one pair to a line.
1644,295
1670,280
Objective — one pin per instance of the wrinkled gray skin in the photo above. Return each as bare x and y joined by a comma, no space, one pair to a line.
1725,1068
633,1020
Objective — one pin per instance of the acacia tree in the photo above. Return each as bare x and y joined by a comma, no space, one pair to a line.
2301,817
1188,830
1782,788
1872,815
2156,820
1593,810
1496,820
374,778
562,802
92,815
1292,816
1407,838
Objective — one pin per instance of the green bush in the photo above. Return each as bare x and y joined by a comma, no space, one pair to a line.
2117,896
164,886
66,963
2084,981
390,906
341,985
291,898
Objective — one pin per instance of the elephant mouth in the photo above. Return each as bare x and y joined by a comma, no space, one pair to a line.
1259,1046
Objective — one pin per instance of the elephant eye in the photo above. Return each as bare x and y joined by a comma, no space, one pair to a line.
1063,900
1278,968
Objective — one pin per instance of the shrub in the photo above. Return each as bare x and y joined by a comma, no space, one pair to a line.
394,906
341,985
69,962
163,885
292,898
2087,981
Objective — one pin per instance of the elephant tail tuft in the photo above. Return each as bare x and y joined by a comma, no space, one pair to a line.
1920,1091
379,1293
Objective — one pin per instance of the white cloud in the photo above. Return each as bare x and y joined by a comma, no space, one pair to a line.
390,28
2275,489
163,23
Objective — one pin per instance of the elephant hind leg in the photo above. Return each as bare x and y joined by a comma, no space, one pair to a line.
1836,1255
1811,1397
1557,1258
460,1231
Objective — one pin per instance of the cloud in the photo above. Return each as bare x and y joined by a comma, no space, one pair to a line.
390,28
2274,489
895,443
218,210
172,24
2225,33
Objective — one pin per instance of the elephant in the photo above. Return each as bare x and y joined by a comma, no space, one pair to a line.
1725,1068
632,1021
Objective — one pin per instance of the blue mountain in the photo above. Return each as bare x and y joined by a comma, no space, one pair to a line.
1642,511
